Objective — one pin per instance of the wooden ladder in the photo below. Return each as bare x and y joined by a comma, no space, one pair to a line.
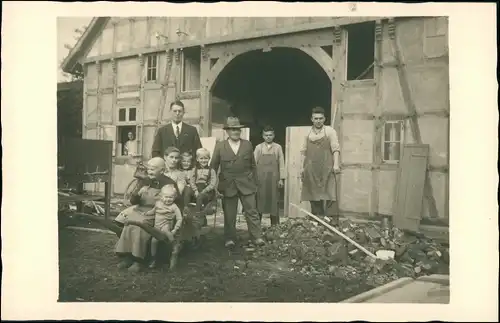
165,84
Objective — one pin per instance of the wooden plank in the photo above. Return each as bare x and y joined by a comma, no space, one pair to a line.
293,183
377,128
339,51
410,188
406,92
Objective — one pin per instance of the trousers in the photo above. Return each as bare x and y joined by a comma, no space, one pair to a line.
252,217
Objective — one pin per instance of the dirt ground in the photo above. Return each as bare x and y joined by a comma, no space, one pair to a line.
88,272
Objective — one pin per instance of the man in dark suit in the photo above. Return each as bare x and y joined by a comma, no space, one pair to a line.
176,134
237,181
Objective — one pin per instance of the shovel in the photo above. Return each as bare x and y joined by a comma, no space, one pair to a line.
381,256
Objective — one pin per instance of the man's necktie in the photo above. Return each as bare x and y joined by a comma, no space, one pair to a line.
177,131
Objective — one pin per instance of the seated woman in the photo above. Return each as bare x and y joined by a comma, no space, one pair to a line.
133,243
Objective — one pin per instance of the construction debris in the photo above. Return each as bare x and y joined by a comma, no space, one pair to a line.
313,249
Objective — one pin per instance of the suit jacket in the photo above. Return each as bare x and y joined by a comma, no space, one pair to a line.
237,171
189,140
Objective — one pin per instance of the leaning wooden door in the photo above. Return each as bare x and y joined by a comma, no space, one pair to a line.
293,185
410,187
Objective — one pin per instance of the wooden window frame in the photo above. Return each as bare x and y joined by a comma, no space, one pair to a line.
150,68
127,122
346,61
182,74
401,141
138,137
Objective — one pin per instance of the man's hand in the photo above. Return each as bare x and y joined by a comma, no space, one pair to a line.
336,169
196,193
126,222
281,183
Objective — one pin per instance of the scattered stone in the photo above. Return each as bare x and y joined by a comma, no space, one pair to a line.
303,243
372,234
331,237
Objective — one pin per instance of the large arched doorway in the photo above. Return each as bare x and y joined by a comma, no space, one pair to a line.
277,87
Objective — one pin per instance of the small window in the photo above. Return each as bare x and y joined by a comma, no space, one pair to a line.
191,63
360,51
127,115
152,68
393,141
131,114
122,115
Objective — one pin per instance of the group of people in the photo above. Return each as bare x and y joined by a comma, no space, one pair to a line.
183,179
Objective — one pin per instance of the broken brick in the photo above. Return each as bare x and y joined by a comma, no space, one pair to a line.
331,237
372,234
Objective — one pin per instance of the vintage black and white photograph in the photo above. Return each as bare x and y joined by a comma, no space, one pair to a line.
253,159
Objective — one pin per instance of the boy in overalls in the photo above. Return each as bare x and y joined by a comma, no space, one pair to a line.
270,175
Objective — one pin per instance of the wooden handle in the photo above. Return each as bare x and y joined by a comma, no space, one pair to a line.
336,231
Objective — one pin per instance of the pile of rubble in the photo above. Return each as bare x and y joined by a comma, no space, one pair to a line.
312,249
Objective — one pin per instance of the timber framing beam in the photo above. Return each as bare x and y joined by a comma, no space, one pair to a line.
237,37
390,167
410,105
388,116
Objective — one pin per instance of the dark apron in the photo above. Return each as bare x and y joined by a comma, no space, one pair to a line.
318,182
267,179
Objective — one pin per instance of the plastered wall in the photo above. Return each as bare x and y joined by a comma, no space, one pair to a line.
423,44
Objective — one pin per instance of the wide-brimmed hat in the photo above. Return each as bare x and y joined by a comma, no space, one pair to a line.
233,123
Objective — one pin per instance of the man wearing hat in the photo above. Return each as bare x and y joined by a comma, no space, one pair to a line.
237,180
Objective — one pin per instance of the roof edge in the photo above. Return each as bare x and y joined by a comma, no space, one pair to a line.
85,41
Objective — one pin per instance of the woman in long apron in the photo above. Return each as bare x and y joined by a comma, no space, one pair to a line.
321,151
270,175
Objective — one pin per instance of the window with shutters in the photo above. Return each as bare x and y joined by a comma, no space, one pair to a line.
152,68
190,69
392,144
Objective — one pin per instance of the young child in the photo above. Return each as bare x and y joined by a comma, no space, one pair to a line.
186,162
186,165
203,181
270,174
172,157
168,219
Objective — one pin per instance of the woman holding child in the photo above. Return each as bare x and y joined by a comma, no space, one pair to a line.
132,246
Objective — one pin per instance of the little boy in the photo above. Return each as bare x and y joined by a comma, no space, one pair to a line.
270,174
168,219
172,157
186,162
202,182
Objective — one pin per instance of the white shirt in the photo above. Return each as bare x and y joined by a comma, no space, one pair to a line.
235,146
177,125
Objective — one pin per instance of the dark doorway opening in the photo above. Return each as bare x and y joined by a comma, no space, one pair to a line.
277,88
